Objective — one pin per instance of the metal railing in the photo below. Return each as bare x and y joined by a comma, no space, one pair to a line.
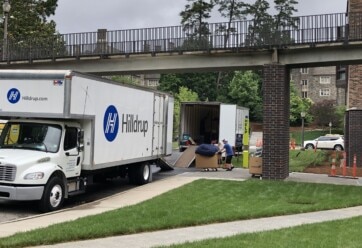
239,35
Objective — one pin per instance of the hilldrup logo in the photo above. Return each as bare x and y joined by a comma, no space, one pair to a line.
13,95
111,123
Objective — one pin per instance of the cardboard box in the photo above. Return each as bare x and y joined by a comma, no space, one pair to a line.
206,162
255,165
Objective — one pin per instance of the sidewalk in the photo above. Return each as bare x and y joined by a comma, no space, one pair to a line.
181,235
166,237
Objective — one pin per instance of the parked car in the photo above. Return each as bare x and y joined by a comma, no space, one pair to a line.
185,141
334,142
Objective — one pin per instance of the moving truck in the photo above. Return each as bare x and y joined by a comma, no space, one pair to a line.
204,122
66,130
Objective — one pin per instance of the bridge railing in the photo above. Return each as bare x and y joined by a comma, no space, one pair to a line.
236,35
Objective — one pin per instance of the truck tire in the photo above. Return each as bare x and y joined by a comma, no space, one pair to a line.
140,174
53,196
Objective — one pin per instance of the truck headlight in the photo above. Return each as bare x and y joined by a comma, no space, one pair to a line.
34,176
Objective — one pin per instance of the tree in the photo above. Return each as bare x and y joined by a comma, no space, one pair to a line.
29,27
284,20
297,106
259,31
194,23
170,83
204,84
325,112
270,30
232,10
285,9
244,91
28,19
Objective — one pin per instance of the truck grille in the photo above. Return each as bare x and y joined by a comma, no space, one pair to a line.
7,173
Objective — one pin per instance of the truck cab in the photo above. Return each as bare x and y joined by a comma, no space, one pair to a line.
37,160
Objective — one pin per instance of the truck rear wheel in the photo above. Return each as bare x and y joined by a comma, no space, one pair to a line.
53,196
140,174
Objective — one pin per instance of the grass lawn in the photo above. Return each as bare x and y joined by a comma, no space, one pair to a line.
201,202
341,233
299,160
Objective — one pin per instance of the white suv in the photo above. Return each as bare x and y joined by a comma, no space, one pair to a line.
335,142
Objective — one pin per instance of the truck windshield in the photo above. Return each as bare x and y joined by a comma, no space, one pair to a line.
32,136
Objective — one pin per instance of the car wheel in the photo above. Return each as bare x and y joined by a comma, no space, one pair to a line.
309,146
338,148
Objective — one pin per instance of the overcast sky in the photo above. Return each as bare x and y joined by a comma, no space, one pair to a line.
76,16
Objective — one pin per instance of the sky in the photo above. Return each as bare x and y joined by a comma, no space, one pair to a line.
77,16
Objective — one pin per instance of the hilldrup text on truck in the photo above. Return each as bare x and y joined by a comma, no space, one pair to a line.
66,130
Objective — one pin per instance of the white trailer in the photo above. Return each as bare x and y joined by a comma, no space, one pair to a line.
205,122
66,130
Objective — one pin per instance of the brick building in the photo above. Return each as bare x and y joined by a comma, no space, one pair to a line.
319,84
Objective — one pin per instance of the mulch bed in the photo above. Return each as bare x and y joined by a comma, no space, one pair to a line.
326,169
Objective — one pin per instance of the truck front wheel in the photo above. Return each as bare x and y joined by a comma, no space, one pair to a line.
53,196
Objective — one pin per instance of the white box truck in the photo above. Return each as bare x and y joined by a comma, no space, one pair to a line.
66,129
204,122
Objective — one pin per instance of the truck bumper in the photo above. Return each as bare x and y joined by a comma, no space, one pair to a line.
21,193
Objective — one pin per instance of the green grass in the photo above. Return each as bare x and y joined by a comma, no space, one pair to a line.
341,233
299,160
237,161
201,202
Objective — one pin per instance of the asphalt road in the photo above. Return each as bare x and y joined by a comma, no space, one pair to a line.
13,210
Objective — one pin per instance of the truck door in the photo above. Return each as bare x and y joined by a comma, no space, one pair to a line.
158,125
227,123
73,155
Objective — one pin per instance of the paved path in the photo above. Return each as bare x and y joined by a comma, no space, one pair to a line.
181,235
166,237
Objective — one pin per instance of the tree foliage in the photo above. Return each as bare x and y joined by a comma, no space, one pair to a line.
194,22
205,84
232,10
325,112
244,90
29,19
30,29
268,29
194,17
183,95
297,106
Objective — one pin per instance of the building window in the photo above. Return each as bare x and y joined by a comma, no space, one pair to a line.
341,72
304,84
304,94
325,80
304,70
325,92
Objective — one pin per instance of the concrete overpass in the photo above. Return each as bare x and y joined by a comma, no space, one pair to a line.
332,42
216,60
